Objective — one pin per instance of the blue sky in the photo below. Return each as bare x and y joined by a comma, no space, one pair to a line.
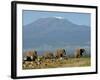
77,18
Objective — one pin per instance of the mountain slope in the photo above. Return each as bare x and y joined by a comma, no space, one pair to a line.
54,32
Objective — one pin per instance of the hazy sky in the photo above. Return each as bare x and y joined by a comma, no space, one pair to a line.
77,18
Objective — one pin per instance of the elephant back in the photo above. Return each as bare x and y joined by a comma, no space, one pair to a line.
31,53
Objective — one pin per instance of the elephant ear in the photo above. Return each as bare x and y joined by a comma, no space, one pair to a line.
64,52
34,52
83,50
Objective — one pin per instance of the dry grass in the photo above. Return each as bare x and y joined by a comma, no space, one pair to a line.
48,63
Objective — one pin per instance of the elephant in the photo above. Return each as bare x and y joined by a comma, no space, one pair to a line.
48,55
30,55
79,52
60,53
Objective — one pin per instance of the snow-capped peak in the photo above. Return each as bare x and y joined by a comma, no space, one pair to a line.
58,17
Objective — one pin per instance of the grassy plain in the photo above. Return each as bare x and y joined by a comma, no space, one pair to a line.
58,63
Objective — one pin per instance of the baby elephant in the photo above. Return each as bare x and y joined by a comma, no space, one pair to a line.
79,52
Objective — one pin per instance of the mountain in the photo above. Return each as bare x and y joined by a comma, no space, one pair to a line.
51,33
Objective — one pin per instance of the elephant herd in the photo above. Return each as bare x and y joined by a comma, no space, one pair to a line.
59,53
